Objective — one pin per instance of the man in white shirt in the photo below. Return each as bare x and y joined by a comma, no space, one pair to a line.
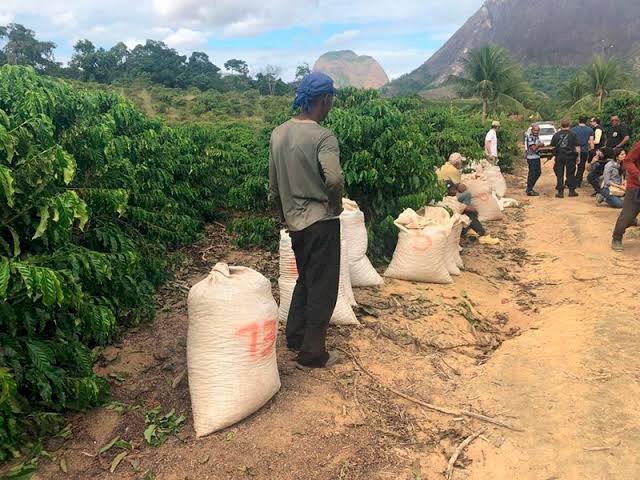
491,142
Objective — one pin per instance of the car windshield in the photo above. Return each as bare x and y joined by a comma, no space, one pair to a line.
547,131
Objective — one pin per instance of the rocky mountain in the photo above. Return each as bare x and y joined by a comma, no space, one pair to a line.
351,70
543,32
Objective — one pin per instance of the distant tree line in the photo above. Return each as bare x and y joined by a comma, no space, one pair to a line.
154,62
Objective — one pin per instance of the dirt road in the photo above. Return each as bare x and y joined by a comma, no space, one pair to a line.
540,333
574,381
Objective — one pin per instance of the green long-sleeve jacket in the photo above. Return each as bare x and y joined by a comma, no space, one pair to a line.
305,175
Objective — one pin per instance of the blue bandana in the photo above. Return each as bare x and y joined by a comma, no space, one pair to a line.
311,87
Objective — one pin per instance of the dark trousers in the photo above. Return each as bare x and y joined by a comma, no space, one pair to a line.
565,165
475,225
630,211
317,251
535,170
596,172
584,158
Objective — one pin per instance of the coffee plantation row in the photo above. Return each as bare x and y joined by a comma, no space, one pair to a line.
94,196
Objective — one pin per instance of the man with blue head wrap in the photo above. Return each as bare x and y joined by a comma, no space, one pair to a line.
307,185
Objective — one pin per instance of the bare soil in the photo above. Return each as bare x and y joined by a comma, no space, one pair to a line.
540,333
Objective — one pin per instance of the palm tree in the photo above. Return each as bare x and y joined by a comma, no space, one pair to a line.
491,75
601,79
574,89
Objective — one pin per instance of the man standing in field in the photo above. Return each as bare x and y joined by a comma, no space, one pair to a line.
631,202
618,135
491,143
567,152
307,184
533,159
586,138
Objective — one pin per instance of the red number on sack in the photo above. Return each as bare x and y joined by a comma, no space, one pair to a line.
421,242
293,268
264,333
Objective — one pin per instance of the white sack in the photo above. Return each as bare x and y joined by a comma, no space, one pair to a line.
231,356
483,200
354,232
496,179
342,314
453,224
421,250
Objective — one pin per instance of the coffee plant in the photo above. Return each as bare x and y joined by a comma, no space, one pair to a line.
94,196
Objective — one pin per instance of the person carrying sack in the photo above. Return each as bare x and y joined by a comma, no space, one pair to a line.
631,202
307,183
567,154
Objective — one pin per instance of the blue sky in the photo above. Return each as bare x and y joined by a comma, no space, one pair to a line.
400,34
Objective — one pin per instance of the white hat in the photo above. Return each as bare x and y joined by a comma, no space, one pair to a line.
495,123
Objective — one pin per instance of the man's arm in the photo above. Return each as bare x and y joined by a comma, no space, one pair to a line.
625,140
329,159
592,142
273,187
630,163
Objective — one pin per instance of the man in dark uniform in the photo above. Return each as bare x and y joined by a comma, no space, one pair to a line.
567,155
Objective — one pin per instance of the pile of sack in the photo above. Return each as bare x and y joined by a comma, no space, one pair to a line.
488,188
355,268
428,248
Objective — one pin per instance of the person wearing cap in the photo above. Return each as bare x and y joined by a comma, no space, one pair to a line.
491,142
534,144
567,158
472,213
307,184
452,170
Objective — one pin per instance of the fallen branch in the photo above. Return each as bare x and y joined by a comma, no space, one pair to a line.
597,449
461,447
446,411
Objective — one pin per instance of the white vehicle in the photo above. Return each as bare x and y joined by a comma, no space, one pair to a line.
547,131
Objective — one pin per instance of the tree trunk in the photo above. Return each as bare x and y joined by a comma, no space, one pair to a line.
600,100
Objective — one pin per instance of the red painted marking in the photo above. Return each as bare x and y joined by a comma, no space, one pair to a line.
422,242
269,339
260,334
293,268
252,332
483,197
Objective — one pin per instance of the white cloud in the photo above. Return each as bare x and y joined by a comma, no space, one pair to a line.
384,31
132,43
64,20
342,38
6,18
185,38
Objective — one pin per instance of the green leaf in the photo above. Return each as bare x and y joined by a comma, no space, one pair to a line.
117,460
149,433
108,446
6,184
16,242
4,277
82,215
44,222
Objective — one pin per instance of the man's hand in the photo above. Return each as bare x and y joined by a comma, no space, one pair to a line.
492,158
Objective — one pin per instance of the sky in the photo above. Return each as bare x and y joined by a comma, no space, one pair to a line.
400,34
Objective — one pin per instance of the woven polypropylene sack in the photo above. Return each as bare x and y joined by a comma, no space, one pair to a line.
483,200
420,255
440,216
496,179
361,271
231,357
342,314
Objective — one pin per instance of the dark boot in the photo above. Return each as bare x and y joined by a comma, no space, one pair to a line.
560,194
573,193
